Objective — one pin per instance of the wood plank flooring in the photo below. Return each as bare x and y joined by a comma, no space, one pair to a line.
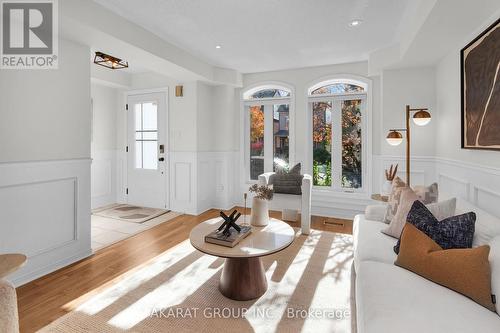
50,297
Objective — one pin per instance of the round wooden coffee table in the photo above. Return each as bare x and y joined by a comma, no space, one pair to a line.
243,277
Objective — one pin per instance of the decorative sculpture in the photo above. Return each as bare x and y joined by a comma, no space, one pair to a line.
229,222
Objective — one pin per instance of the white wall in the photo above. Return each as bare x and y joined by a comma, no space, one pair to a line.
103,146
471,174
45,163
206,120
448,143
414,87
46,113
217,150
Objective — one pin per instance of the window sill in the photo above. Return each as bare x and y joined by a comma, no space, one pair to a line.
356,194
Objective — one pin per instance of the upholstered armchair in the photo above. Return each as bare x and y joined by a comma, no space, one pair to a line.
9,322
294,202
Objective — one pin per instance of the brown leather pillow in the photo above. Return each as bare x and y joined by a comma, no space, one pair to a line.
466,271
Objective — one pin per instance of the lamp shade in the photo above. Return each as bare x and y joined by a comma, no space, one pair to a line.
394,138
422,118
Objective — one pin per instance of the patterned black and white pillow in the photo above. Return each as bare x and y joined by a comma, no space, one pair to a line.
454,232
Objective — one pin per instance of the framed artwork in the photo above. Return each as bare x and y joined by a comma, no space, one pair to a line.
480,85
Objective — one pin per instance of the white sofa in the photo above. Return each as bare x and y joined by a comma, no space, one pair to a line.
301,203
392,299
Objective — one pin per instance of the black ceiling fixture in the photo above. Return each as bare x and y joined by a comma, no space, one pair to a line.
109,61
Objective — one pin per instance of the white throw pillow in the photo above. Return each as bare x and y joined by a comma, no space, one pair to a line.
494,260
375,212
443,209
487,226
407,198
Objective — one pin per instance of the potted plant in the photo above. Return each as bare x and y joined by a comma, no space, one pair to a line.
259,216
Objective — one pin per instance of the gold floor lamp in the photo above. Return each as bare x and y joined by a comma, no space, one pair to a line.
421,118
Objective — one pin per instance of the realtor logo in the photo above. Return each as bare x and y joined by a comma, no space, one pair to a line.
29,34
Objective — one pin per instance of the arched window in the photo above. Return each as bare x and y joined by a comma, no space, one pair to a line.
337,110
267,114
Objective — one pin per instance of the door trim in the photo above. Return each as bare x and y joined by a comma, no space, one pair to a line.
164,90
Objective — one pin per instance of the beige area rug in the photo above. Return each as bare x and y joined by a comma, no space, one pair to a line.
309,291
131,213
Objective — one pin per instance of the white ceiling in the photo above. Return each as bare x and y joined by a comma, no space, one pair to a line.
265,35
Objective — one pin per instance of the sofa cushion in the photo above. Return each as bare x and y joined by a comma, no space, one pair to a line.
392,203
370,243
287,182
427,194
455,232
487,225
408,197
466,271
375,212
494,259
443,209
392,299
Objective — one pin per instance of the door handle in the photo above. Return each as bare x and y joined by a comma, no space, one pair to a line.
161,159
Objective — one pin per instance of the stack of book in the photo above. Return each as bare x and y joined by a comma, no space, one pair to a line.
229,240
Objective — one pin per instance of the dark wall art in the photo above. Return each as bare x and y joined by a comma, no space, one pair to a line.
480,65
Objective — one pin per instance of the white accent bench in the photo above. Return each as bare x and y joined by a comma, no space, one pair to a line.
300,203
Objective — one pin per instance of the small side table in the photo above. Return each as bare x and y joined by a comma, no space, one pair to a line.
10,263
380,197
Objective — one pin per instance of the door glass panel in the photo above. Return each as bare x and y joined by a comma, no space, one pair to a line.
150,135
149,116
351,144
146,135
150,155
138,154
322,143
281,118
256,141
138,116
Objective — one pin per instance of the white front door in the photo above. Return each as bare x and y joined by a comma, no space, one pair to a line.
147,174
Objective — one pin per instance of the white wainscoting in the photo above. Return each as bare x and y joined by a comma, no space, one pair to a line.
201,180
423,169
216,174
121,176
475,183
45,214
103,175
205,180
183,182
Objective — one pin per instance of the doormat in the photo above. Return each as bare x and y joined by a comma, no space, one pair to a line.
131,213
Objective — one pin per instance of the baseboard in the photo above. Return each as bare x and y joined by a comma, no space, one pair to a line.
25,278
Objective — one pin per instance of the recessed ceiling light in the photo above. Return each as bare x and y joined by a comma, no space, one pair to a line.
355,23
218,46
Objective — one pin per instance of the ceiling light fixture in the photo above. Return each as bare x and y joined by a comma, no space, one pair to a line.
355,23
218,46
109,61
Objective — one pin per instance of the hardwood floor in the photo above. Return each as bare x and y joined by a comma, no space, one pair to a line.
50,297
